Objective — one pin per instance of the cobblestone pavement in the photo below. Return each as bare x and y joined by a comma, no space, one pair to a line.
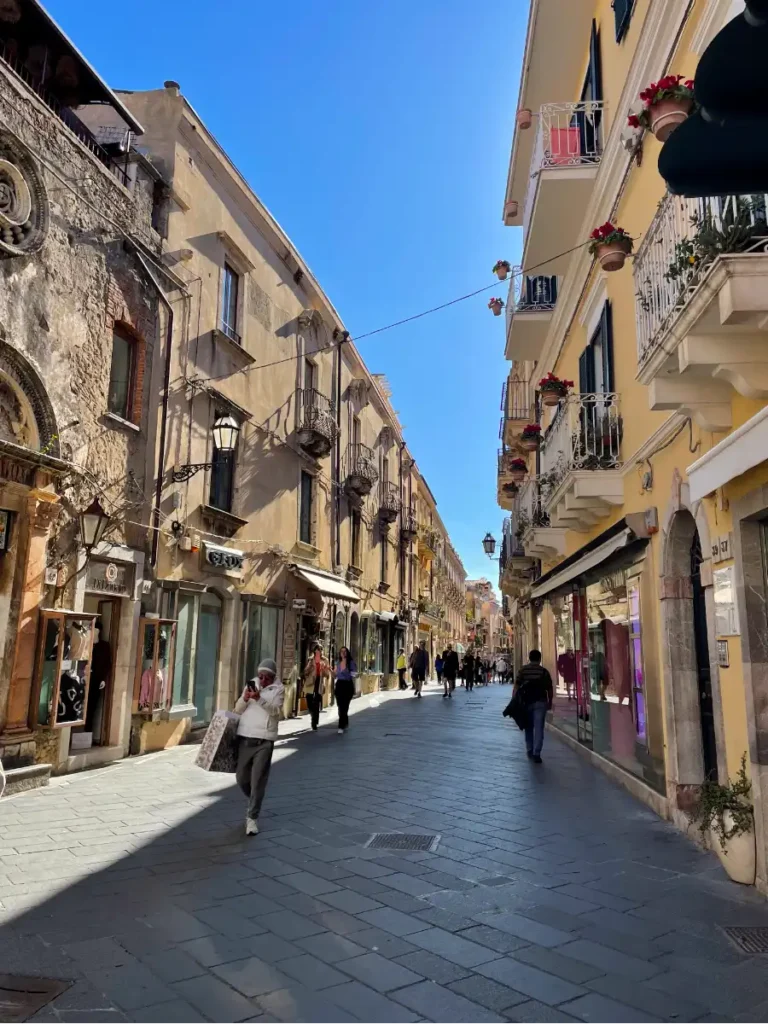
552,895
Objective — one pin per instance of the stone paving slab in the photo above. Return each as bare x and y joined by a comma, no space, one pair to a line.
552,895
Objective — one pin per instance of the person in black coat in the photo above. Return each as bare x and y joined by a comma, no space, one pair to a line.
450,670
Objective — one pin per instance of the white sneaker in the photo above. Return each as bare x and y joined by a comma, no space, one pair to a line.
340,732
251,827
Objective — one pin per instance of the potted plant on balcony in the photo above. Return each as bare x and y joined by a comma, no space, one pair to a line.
496,305
517,468
530,437
666,104
524,118
553,390
724,814
611,245
501,268
510,489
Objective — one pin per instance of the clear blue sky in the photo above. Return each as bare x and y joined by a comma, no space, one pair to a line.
378,134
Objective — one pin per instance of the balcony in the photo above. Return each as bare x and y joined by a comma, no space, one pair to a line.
566,155
428,541
410,528
530,303
507,489
317,429
360,471
701,302
430,610
539,538
515,567
389,502
580,460
517,407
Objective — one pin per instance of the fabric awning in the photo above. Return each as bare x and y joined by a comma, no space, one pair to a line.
386,616
328,584
589,561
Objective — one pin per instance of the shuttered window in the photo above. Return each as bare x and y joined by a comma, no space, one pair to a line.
596,361
622,10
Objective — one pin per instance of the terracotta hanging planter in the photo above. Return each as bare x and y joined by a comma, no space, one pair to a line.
530,437
511,208
524,118
496,306
517,475
667,115
553,390
501,268
610,245
551,398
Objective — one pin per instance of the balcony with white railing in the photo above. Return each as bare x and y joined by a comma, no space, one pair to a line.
515,567
580,460
701,301
534,529
566,156
530,303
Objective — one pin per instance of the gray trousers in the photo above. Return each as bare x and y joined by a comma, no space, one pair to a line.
254,759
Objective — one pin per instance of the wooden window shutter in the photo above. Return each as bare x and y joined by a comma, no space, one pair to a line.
622,10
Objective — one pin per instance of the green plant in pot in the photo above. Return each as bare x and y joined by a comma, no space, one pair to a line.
724,814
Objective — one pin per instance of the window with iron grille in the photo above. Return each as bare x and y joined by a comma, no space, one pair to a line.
622,10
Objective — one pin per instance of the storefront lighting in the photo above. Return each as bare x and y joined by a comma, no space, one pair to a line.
93,522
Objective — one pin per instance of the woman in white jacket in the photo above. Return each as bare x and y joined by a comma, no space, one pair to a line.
259,710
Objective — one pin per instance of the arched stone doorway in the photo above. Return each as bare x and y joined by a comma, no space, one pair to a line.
695,739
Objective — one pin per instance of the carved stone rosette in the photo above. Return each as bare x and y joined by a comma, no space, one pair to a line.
24,213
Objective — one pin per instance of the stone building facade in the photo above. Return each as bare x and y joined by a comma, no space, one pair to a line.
78,318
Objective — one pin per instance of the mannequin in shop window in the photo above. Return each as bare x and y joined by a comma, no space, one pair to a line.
71,706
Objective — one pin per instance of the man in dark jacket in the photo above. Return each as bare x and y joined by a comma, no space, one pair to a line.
450,670
469,670
419,667
534,688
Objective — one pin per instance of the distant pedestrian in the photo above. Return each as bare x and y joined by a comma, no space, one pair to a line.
344,687
402,666
439,668
419,667
450,670
317,672
259,710
469,671
534,688
501,669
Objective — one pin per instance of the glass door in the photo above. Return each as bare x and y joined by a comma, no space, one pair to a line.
583,678
207,657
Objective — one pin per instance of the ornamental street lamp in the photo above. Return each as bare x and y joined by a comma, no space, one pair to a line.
489,544
93,522
224,432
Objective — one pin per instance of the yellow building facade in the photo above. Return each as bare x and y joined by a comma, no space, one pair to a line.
634,554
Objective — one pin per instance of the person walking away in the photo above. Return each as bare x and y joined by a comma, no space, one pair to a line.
259,710
345,687
402,665
501,669
469,671
316,672
439,662
450,670
534,687
419,667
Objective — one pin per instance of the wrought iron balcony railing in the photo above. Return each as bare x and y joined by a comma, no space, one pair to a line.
529,293
360,469
568,135
410,527
584,435
684,239
531,507
317,428
389,501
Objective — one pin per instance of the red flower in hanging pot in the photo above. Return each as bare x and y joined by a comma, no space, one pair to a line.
501,268
611,245
496,305
666,104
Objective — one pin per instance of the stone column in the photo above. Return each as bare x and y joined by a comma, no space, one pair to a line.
41,512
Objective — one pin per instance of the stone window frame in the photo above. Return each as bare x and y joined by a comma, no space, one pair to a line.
233,256
123,331
308,546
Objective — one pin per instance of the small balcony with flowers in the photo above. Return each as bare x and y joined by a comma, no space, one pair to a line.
512,470
517,406
580,477
557,152
701,302
515,566
530,304
533,528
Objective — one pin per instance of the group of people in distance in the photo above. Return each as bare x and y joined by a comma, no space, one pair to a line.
449,667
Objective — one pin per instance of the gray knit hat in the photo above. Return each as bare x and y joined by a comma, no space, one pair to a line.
268,665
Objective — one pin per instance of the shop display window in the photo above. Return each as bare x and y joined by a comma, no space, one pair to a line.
154,666
260,622
63,667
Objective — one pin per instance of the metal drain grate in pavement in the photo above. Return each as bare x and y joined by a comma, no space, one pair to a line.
403,841
21,996
748,940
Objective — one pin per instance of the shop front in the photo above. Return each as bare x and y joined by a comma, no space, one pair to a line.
592,636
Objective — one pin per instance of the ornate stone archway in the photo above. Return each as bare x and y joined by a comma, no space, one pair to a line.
685,760
26,413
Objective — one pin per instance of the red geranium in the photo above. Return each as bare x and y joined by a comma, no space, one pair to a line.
517,466
670,87
609,234
532,428
554,383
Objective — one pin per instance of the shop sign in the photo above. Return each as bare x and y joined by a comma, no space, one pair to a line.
299,604
114,578
224,558
16,472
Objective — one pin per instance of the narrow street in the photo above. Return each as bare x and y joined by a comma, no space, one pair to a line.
551,895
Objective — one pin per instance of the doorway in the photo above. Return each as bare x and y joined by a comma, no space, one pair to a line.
703,669
98,710
206,661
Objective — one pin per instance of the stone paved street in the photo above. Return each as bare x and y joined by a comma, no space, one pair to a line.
552,895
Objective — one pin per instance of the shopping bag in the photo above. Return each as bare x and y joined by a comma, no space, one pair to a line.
218,751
